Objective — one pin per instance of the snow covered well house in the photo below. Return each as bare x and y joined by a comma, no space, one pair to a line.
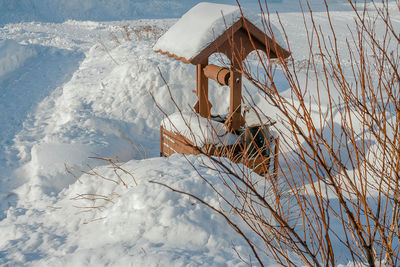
206,29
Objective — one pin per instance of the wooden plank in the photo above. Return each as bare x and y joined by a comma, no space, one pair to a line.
179,144
184,60
166,146
204,105
161,142
242,34
272,49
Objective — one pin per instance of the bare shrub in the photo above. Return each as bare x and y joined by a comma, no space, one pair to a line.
96,203
114,38
147,32
339,169
126,33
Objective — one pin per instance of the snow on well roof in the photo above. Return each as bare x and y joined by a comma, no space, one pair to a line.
200,26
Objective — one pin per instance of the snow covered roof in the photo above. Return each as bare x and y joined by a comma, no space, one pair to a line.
201,26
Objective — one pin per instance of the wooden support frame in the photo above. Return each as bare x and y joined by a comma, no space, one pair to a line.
236,43
171,143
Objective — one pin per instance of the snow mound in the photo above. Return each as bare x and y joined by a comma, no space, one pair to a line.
13,55
146,224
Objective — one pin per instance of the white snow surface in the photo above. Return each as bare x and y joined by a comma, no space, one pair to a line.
12,56
68,91
201,25
142,224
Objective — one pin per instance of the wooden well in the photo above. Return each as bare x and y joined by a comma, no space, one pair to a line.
236,42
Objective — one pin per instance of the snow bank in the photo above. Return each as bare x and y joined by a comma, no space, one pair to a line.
145,224
108,97
13,55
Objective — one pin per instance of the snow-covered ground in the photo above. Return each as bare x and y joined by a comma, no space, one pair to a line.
73,84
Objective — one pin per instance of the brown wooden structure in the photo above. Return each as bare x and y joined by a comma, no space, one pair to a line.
236,42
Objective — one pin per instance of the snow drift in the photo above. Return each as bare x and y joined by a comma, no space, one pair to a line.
13,55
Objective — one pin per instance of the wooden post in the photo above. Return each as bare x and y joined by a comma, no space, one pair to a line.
161,142
235,109
203,106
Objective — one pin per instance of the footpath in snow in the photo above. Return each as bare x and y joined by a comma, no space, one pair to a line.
104,94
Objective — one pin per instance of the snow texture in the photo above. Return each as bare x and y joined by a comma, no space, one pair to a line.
140,224
13,55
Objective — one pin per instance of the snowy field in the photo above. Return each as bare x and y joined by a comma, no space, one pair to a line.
74,81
